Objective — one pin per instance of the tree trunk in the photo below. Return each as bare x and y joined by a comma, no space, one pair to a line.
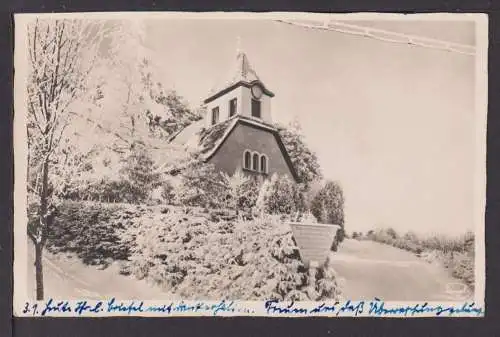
42,229
44,195
39,271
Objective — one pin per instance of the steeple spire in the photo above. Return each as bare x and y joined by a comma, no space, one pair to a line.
241,72
244,70
238,45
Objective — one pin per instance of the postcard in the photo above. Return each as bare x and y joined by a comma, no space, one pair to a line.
250,164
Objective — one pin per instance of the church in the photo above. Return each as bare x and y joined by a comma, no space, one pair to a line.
237,131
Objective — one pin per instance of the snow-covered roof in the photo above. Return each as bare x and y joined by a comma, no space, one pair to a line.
197,138
200,139
206,141
186,134
209,139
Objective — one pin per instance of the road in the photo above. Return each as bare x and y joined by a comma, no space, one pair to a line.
370,269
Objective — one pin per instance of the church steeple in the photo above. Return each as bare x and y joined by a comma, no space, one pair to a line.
244,71
240,71
240,93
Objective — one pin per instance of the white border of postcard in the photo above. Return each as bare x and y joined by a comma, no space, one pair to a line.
224,308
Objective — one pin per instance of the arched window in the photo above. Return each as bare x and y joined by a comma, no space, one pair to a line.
247,159
255,162
263,164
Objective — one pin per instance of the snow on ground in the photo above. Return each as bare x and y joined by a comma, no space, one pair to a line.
65,276
370,269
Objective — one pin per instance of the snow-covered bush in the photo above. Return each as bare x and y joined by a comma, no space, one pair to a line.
461,265
357,235
280,195
185,252
167,192
307,217
201,185
406,244
104,189
247,200
132,181
91,231
240,190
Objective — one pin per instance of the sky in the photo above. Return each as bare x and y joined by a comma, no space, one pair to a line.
393,124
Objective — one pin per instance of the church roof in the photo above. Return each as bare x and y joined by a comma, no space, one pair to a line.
197,138
184,135
206,141
241,73
209,138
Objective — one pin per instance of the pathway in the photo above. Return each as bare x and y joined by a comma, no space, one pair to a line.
370,269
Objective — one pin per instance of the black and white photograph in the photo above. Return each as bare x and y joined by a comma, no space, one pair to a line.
258,161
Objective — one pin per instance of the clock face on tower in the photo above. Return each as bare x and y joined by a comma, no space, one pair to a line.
256,91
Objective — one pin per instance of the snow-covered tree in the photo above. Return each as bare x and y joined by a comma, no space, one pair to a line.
241,190
303,158
62,56
235,184
94,90
328,204
263,195
328,207
136,104
139,171
201,185
280,195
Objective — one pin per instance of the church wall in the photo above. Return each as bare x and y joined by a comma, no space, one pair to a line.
229,157
244,101
265,105
245,97
266,109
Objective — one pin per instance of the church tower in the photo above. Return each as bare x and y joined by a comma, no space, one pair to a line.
238,132
241,93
